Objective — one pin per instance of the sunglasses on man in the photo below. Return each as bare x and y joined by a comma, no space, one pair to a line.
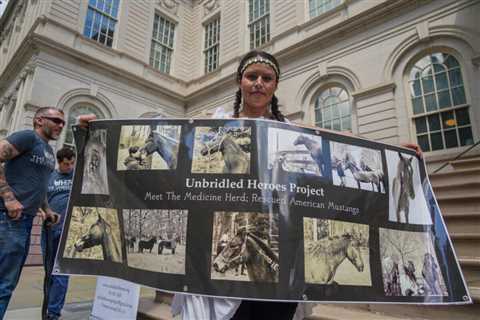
57,121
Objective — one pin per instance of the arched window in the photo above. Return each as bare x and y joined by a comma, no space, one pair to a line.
440,110
333,110
76,111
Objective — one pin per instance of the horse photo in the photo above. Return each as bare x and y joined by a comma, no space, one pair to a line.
407,202
161,236
336,252
301,153
148,147
357,167
94,233
246,242
222,150
95,180
409,264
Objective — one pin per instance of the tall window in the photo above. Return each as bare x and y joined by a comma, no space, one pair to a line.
101,20
440,110
212,43
259,22
162,44
72,118
317,7
333,110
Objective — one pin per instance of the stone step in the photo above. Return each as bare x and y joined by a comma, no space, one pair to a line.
466,244
340,312
459,204
462,221
149,309
465,189
446,312
470,163
456,177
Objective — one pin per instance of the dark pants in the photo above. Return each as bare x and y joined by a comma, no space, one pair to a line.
261,310
58,284
14,245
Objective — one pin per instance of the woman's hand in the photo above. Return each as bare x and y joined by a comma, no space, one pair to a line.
83,120
415,147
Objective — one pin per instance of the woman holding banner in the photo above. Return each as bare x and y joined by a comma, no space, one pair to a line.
257,77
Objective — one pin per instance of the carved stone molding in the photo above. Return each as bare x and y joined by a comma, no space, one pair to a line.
170,5
210,6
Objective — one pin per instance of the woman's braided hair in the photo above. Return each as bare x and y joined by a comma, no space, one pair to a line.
276,114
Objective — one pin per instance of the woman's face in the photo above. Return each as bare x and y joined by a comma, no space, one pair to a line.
258,84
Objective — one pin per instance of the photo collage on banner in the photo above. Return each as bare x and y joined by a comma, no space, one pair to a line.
224,207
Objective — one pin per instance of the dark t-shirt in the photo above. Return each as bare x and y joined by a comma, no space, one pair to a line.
59,187
28,173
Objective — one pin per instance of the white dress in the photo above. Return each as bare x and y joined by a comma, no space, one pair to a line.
194,307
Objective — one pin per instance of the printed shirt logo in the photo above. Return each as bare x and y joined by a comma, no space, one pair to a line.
47,160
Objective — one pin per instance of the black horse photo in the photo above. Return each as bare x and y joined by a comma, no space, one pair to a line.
148,147
222,150
161,239
245,241
94,233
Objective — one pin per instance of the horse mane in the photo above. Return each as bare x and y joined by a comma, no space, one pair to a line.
332,245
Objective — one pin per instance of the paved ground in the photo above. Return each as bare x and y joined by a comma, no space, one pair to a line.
27,299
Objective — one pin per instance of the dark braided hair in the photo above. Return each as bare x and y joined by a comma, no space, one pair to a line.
276,114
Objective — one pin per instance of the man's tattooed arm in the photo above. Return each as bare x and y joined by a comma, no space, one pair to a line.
7,152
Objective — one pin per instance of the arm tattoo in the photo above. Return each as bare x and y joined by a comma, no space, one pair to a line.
5,190
7,151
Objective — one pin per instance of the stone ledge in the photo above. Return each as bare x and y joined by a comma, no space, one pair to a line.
148,309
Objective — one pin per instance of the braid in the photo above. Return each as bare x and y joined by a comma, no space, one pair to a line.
236,104
275,111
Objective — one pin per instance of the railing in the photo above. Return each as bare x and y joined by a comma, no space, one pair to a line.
457,157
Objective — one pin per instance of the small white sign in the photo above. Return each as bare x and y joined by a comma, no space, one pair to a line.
115,299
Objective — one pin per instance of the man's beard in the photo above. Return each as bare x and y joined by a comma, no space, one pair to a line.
49,133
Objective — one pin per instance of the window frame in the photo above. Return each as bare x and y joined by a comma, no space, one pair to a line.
169,48
316,96
252,22
318,13
207,51
413,117
103,15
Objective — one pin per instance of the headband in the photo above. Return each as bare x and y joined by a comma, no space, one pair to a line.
259,59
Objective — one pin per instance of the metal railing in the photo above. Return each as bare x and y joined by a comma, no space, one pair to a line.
457,157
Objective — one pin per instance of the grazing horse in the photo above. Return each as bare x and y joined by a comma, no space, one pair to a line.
100,234
261,262
324,256
167,148
236,160
131,244
402,189
315,151
146,244
375,177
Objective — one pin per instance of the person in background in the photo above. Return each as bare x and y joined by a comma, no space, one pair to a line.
59,187
28,162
